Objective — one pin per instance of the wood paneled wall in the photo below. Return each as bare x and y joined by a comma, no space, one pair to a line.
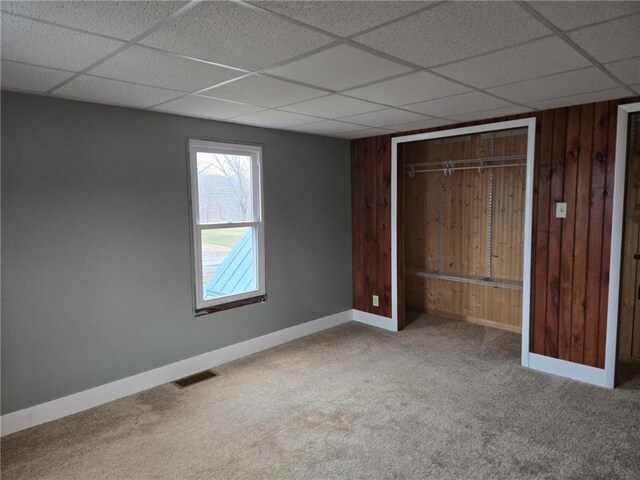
575,164
371,217
575,150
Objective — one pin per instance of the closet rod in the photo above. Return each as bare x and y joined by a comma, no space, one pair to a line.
411,171
466,161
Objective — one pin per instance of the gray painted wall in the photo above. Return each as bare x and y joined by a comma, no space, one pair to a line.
96,273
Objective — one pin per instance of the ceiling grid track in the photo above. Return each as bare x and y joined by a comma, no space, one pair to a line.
336,40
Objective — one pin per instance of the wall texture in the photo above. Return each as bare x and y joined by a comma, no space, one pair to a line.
96,272
575,149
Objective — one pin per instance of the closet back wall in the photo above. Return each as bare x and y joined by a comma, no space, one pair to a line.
575,155
446,228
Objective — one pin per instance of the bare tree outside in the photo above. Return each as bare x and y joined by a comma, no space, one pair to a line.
225,186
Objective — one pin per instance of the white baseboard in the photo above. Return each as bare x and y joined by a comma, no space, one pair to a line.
575,371
77,402
374,320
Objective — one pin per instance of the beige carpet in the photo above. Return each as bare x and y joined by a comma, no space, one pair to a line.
441,400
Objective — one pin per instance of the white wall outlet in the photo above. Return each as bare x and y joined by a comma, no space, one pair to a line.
376,301
561,210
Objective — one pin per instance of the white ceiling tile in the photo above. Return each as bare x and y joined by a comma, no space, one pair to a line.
591,97
458,104
28,41
611,41
339,67
560,85
567,15
27,77
412,88
636,87
492,113
370,132
343,18
542,57
263,91
328,127
197,106
382,118
233,35
626,70
453,31
116,19
332,106
102,90
424,124
275,119
160,69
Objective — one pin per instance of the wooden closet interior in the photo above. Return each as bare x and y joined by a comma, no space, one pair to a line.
629,315
463,202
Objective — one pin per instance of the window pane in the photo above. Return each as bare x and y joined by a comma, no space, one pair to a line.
224,188
227,262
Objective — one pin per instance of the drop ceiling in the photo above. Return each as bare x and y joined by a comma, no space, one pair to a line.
343,69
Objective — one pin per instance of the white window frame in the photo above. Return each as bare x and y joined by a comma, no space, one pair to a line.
257,223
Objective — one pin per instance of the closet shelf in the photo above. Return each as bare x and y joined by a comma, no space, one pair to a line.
472,279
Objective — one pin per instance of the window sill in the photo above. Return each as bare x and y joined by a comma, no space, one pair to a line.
227,306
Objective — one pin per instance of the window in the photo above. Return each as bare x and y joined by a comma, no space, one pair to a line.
228,229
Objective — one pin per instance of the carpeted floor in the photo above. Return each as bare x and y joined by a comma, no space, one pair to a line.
441,400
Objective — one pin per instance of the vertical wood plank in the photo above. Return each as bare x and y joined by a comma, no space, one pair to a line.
596,233
567,260
357,154
552,321
581,236
370,226
544,152
384,224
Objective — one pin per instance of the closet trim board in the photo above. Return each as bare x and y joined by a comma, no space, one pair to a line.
609,284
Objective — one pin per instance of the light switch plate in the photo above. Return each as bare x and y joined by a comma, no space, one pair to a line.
561,210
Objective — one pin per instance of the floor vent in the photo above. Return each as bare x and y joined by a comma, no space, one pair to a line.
195,378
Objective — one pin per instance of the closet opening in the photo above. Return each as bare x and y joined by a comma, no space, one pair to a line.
628,358
462,202
463,227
